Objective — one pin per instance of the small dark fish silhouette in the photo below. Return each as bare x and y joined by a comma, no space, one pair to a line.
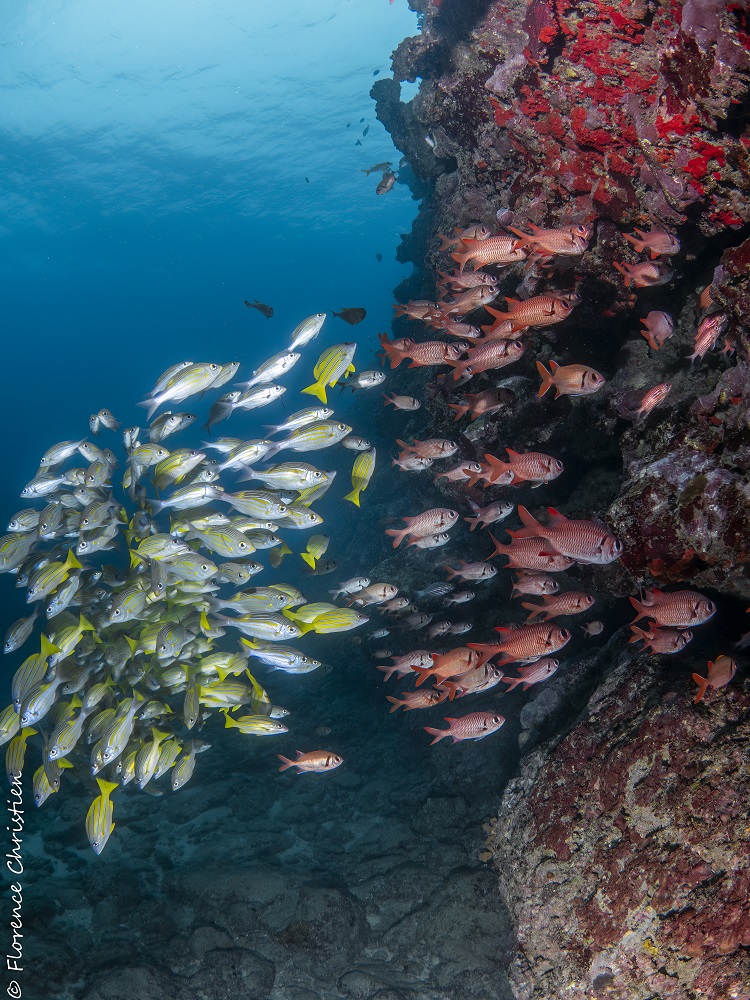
361,120
358,143
307,179
386,183
366,130
351,316
348,124
261,307
375,72
378,257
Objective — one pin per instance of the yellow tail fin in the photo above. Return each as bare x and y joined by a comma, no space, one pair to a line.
317,389
354,495
309,559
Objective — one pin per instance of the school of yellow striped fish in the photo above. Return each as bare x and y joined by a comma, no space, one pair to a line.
135,580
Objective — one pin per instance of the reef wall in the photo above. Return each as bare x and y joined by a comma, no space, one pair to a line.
621,846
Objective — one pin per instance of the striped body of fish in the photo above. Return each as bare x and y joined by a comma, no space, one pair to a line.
332,364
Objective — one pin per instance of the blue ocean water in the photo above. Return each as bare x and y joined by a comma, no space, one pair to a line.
161,164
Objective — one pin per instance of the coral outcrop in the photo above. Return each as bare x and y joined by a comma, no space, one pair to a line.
622,850
621,846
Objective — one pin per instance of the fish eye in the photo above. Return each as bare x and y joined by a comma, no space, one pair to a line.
116,613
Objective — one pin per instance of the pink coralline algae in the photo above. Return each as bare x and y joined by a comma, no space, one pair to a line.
632,881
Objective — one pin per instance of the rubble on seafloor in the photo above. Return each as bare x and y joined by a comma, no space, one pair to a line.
621,847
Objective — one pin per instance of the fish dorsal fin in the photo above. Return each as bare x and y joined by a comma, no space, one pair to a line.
555,517
299,754
534,228
512,453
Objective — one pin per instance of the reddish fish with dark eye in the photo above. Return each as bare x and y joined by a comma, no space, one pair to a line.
707,334
485,357
428,523
661,640
646,274
473,681
467,331
417,309
658,242
585,541
675,609
487,401
652,398
475,726
318,761
417,699
572,602
493,250
429,448
526,467
459,235
720,673
534,673
525,643
467,301
435,352
454,663
394,349
569,380
536,584
565,241
657,329
532,554
467,279
541,310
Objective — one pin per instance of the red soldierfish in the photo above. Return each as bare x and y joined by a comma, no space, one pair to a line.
541,310
720,673
566,241
530,553
658,242
493,250
417,699
646,274
585,541
473,681
534,673
707,334
525,643
430,522
569,380
572,602
429,448
537,584
469,727
657,329
662,640
451,664
394,349
527,467
652,398
676,609
316,760
484,357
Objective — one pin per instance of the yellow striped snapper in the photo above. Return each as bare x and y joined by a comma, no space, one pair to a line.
331,365
362,470
19,632
309,415
284,658
317,546
289,475
188,381
273,628
312,437
169,423
257,725
273,368
99,819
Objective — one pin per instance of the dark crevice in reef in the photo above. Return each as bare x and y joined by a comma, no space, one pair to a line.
620,115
